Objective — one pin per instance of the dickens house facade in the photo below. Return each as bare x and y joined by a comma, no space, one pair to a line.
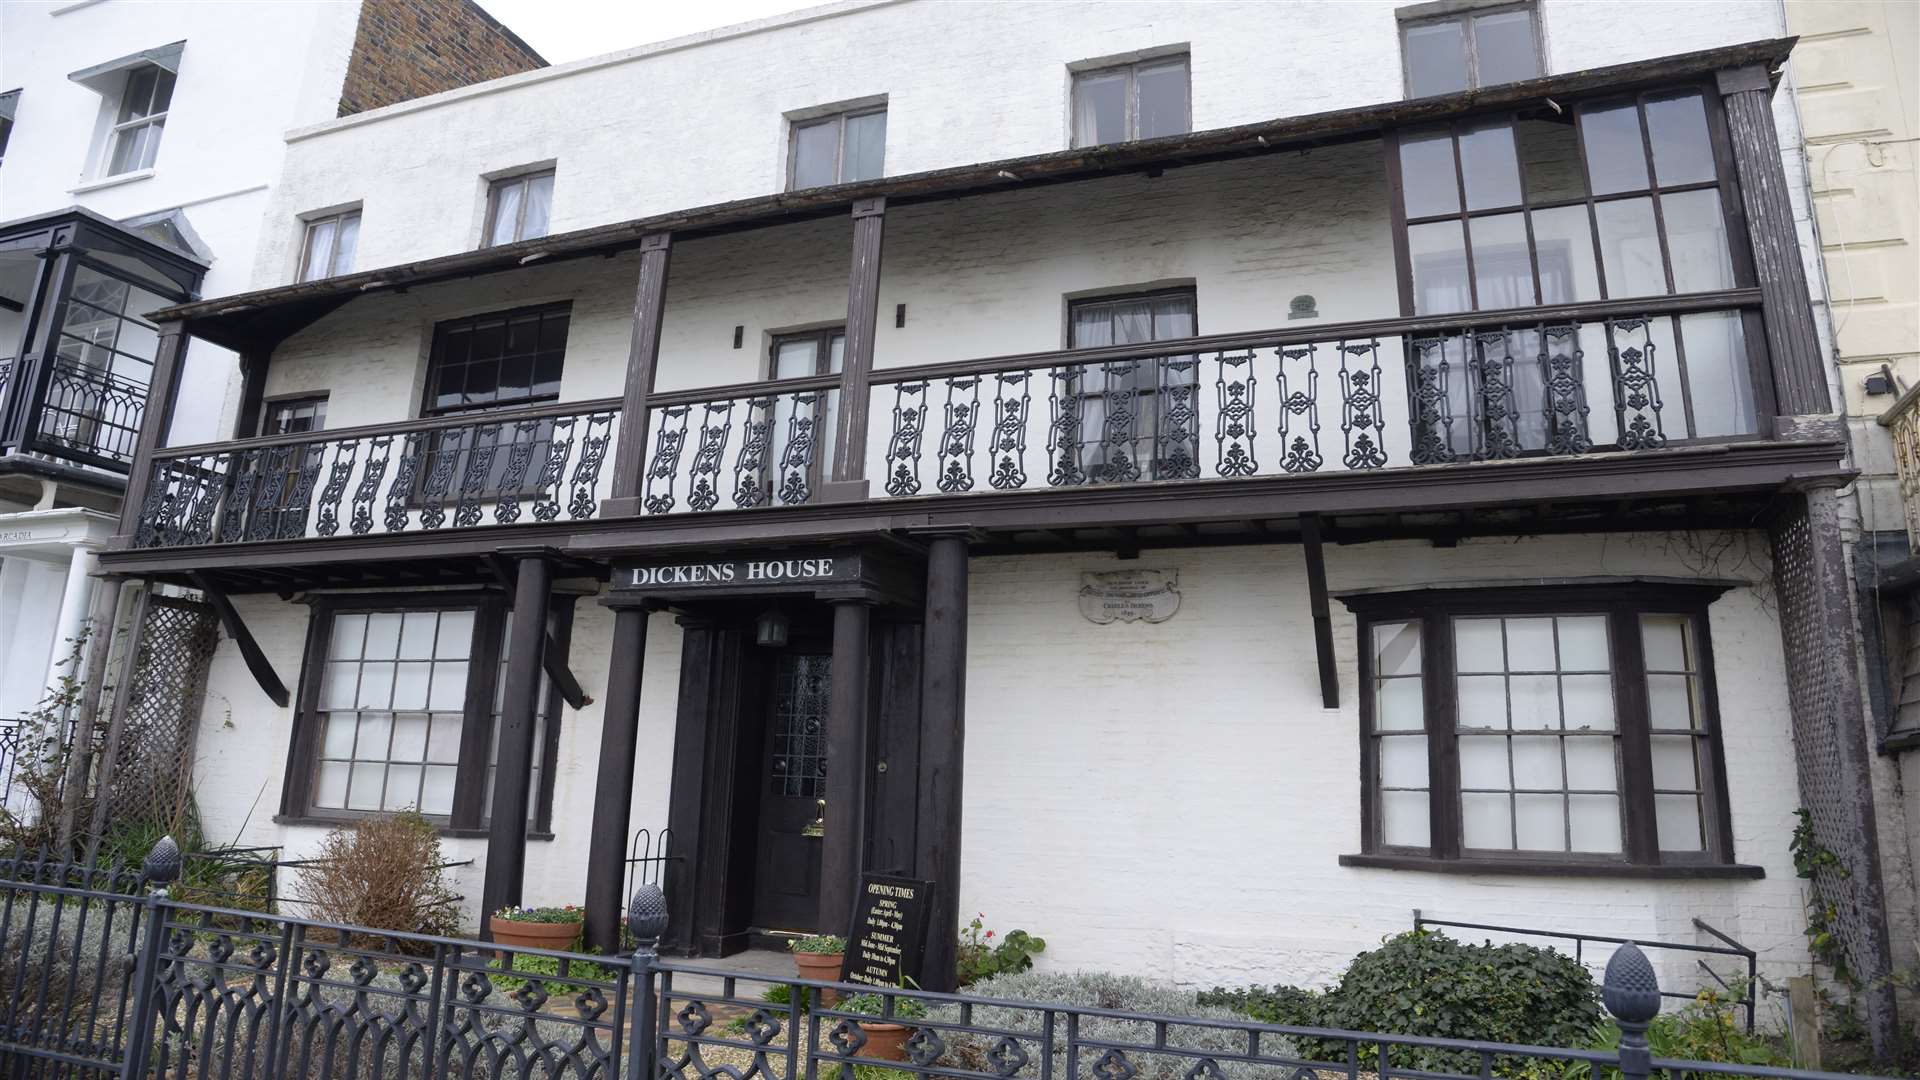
1195,481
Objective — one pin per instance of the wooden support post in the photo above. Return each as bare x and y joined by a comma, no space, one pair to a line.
1322,613
512,795
257,663
117,721
643,354
613,782
253,388
848,722
1799,371
162,391
943,733
848,483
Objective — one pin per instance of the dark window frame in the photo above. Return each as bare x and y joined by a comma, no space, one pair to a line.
436,358
1131,68
274,407
1623,605
498,184
491,611
823,433
838,118
1147,397
1470,39
1726,181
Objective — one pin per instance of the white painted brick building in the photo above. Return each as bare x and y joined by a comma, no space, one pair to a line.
1217,796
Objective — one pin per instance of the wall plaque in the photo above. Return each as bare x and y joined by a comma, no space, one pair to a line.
1129,595
888,937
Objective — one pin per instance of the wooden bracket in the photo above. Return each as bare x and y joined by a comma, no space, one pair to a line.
551,658
257,662
1322,615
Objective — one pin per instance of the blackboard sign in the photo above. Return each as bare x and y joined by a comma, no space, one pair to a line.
889,932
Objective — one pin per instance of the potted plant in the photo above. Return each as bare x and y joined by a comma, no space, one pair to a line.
819,957
886,1040
536,927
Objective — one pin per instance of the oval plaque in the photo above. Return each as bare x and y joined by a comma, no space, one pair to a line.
1129,595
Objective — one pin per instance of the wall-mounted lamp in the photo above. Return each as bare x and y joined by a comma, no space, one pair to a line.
770,629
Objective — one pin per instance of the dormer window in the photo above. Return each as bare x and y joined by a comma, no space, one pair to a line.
136,94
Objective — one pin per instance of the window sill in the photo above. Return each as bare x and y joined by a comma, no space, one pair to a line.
447,832
111,181
1551,868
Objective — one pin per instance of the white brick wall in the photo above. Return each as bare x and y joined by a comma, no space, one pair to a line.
1166,798
699,121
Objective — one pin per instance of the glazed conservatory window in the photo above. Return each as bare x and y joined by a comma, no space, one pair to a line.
1563,724
1605,200
1125,102
1485,47
838,149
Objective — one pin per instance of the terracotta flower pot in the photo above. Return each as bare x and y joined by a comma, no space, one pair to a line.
559,936
820,967
885,1042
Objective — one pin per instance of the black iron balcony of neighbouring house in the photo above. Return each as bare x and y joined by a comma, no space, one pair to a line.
76,352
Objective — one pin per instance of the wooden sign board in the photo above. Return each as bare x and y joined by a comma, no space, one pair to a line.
888,938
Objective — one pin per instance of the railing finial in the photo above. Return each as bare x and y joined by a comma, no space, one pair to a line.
647,916
161,867
1631,992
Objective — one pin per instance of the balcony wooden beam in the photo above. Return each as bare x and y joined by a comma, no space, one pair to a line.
1322,610
643,357
856,370
257,663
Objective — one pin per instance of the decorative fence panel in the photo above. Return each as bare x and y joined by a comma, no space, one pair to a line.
150,752
536,465
98,982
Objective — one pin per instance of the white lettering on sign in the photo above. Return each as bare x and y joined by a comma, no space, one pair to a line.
759,571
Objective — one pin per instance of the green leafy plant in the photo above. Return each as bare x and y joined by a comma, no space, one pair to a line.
904,1008
819,943
1426,983
520,968
1811,861
980,957
566,913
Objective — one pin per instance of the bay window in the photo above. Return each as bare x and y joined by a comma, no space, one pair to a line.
1561,725
400,710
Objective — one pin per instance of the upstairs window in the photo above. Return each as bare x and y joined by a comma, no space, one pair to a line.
838,149
518,208
1571,724
1487,46
1124,427
329,246
496,360
295,416
1143,100
135,140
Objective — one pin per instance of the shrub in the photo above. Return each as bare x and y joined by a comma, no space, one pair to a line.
979,957
1124,993
383,873
1426,983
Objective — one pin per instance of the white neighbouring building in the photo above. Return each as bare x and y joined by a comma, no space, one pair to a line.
1197,482
139,143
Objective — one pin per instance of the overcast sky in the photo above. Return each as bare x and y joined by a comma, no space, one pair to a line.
563,30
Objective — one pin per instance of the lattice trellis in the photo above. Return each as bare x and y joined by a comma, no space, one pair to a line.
1829,736
153,761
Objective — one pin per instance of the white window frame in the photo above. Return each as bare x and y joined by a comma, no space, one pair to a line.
523,179
125,126
313,222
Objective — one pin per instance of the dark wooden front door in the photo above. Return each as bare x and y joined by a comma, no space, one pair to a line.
793,779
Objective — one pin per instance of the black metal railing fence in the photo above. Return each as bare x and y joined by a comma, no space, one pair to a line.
103,974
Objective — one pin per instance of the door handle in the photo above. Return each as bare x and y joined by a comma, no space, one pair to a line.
818,826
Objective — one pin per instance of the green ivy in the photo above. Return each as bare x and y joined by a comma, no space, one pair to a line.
1810,858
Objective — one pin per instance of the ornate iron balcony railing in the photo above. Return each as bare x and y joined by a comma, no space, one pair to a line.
495,468
73,411
1902,421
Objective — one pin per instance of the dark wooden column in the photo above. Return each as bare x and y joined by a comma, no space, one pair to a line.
613,782
848,483
848,724
253,386
1799,371
643,354
943,732
513,772
161,394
